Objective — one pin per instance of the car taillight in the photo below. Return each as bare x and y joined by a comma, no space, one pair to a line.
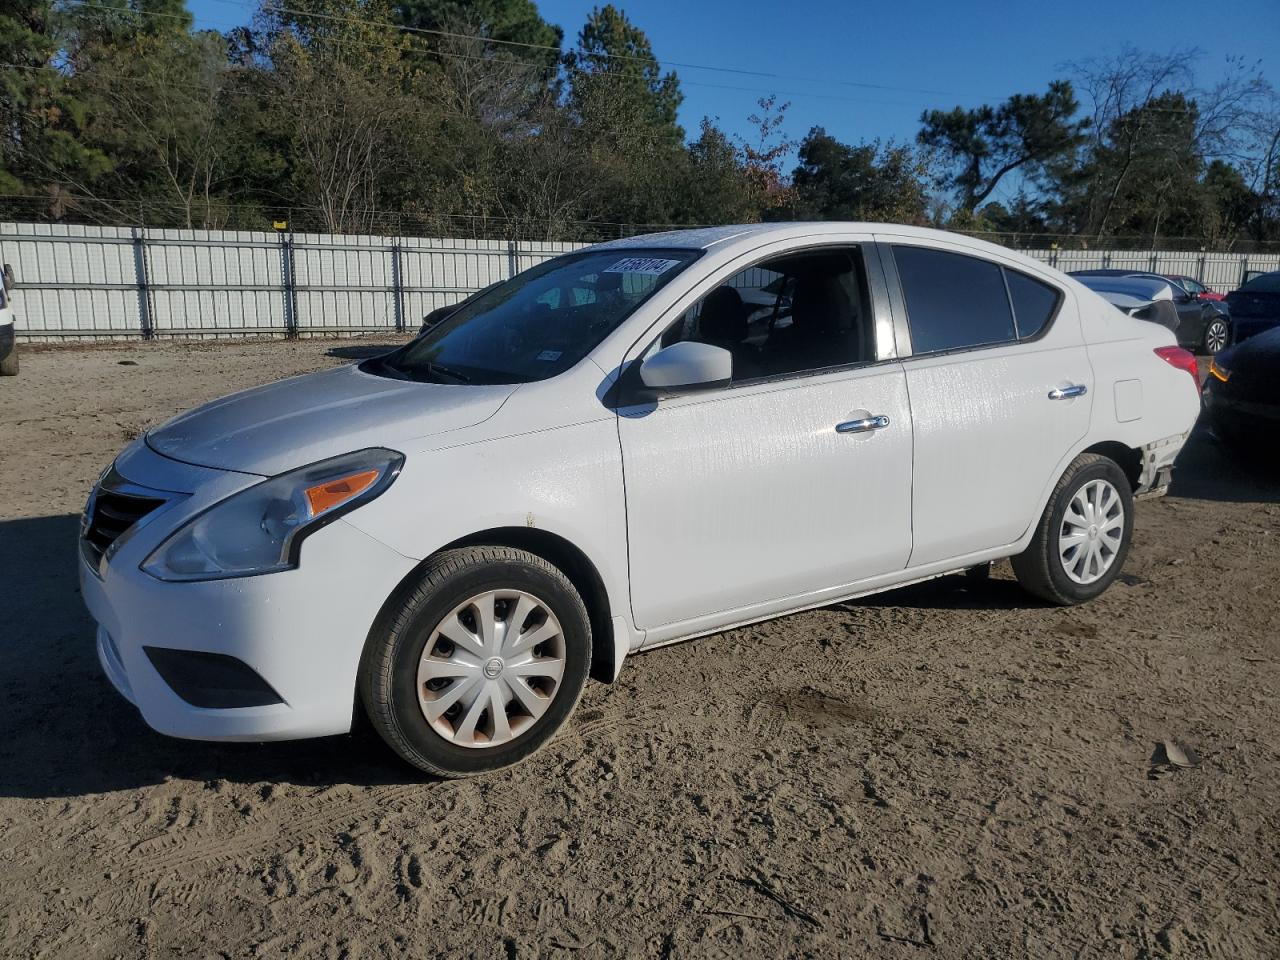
1182,359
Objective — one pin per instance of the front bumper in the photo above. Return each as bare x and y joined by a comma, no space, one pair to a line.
302,631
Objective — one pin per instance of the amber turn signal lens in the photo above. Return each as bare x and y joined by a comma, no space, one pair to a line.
326,496
1217,372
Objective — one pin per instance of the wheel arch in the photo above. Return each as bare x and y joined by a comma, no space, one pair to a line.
1126,457
559,552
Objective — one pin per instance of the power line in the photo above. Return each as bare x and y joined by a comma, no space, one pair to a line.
561,56
272,8
447,54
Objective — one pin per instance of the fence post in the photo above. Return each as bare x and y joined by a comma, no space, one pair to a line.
1203,261
143,284
288,286
1154,259
397,291
513,258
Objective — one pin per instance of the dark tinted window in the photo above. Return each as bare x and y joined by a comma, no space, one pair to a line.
1033,303
788,315
953,301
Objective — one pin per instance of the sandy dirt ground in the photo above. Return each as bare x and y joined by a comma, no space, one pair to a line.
950,770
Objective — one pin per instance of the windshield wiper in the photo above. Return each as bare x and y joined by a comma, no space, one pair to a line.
440,370
381,365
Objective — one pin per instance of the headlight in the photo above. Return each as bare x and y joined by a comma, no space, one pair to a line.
1218,370
261,529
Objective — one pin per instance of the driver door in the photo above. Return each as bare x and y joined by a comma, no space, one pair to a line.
749,497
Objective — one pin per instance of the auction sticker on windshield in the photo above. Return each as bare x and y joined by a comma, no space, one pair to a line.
651,266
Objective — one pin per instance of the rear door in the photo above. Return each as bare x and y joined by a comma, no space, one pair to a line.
1001,390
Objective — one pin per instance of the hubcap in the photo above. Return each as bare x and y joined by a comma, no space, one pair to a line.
491,668
1092,531
1216,338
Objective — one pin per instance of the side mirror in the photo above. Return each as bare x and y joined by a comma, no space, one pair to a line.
687,366
8,277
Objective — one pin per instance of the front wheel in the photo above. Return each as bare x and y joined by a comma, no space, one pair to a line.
1216,336
1083,536
479,663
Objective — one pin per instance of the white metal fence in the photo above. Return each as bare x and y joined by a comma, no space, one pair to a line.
1220,271
81,282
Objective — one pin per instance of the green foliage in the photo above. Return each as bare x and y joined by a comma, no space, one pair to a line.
42,138
615,79
836,181
517,23
470,120
980,147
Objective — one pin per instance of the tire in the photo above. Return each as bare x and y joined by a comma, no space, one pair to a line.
1043,568
1216,337
391,681
9,365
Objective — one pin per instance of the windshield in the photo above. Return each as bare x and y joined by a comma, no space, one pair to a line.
1267,283
539,323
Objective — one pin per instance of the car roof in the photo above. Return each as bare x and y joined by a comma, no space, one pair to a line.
747,235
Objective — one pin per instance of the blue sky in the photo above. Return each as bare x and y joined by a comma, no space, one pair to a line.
962,53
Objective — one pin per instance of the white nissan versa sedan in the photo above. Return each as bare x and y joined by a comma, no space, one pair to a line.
618,449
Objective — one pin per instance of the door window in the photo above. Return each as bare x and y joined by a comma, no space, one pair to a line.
785,316
953,301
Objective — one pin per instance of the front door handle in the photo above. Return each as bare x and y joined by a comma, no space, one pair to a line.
863,425
1066,393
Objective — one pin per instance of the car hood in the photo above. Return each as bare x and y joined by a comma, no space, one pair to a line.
274,428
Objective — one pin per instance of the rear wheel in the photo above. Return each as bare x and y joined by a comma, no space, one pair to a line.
480,663
1216,336
1083,536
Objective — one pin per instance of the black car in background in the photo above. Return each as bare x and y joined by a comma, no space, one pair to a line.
1204,326
1242,394
1255,307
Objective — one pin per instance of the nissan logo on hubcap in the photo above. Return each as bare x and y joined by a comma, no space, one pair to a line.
493,667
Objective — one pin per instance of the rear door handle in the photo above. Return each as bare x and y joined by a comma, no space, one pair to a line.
863,425
1066,393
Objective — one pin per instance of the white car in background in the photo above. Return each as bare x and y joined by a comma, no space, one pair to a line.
602,455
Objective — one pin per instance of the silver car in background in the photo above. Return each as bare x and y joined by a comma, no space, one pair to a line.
1202,326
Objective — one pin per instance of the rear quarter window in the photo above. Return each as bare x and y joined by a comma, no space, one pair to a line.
1034,303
